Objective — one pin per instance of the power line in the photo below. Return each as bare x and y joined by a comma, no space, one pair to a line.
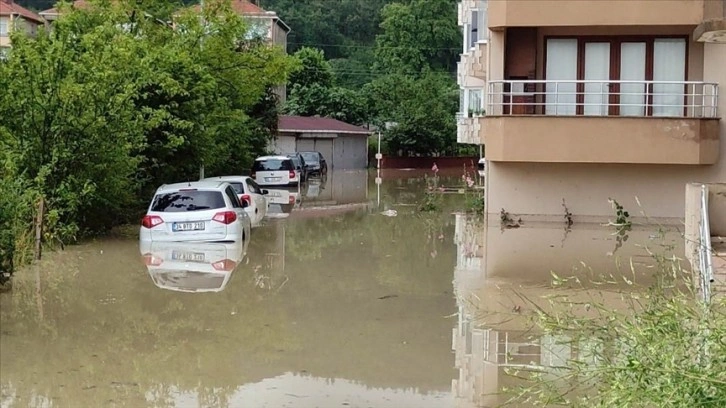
309,44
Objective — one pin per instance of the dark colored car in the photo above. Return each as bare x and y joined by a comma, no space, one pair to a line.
316,162
300,165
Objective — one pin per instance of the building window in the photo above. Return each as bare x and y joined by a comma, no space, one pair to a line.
471,102
583,76
474,28
3,27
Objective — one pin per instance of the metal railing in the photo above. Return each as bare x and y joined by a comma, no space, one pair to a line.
692,99
704,248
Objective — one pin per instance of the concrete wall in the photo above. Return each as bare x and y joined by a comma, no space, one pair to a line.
342,152
5,40
350,152
534,13
283,144
427,162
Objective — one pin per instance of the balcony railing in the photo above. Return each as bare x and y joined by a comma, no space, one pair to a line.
685,99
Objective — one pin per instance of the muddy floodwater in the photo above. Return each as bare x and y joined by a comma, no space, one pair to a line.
345,297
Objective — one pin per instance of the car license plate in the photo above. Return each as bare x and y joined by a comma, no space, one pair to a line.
188,256
275,194
273,178
188,226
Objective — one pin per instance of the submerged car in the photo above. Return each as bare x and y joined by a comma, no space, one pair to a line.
316,162
300,165
249,192
190,266
199,211
274,171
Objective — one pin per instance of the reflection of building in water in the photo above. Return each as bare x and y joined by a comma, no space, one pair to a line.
496,268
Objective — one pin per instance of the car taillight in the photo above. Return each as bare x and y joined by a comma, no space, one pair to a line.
292,174
151,260
151,221
291,200
246,197
226,217
225,265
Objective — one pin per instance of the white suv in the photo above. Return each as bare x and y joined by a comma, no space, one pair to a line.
275,171
200,211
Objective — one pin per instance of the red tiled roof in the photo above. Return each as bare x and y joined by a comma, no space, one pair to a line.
10,8
241,7
303,124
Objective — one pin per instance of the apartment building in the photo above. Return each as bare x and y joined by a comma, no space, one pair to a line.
14,17
586,100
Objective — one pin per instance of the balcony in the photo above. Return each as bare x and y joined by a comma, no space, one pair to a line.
468,129
564,13
637,122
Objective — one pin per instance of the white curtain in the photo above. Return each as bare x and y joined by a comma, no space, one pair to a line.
632,68
597,68
561,65
475,101
669,64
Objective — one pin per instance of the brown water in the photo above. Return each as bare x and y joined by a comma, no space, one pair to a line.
334,305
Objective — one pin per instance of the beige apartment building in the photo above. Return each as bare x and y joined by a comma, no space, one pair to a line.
14,17
586,100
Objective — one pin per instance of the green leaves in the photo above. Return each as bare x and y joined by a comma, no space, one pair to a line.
114,101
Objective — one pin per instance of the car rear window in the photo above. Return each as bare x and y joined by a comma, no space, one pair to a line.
272,165
190,200
311,157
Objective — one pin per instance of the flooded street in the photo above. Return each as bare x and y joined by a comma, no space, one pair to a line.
346,297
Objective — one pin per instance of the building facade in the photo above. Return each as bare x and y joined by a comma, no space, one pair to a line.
344,146
586,100
13,17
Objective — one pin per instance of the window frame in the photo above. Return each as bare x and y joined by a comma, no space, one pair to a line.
616,42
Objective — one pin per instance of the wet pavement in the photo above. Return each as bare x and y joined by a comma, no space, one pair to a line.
331,304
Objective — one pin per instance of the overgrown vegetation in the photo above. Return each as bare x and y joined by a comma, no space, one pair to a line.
663,349
394,75
112,102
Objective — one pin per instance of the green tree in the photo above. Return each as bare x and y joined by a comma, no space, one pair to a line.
314,69
418,35
114,101
312,91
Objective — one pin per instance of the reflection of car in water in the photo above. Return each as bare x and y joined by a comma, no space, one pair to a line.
315,186
192,267
281,202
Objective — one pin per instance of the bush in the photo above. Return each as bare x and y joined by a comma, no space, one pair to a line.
16,222
666,349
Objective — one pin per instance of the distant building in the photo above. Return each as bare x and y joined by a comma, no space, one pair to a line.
343,145
14,17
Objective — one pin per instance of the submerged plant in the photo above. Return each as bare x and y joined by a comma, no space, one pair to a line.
664,349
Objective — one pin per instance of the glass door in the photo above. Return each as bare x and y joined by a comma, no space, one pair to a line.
596,101
632,68
561,74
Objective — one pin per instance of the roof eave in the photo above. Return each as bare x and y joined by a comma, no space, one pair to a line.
348,132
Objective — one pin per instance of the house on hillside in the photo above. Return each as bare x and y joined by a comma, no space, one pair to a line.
14,17
343,145
594,100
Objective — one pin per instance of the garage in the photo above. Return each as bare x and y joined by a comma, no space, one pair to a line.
343,145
